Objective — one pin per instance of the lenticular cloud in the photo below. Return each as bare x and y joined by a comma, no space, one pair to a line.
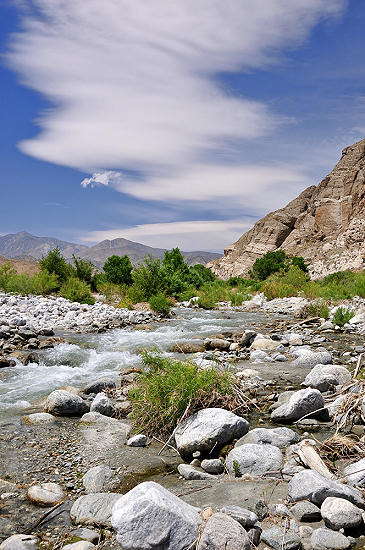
133,84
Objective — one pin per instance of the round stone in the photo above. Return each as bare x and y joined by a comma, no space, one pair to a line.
45,494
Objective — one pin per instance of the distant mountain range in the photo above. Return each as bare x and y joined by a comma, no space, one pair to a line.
25,246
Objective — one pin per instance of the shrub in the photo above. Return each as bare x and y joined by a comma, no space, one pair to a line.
55,263
199,274
77,291
317,309
236,298
285,284
148,278
275,261
169,388
7,272
118,270
206,302
45,283
342,316
160,304
85,271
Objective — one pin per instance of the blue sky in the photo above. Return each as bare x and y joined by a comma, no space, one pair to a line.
172,123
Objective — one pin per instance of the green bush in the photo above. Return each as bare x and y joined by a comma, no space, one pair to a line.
275,261
85,271
55,263
236,298
45,283
7,273
206,302
148,278
118,270
318,309
160,304
199,274
169,387
77,291
342,316
285,283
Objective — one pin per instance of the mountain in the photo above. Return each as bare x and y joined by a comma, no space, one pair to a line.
325,224
23,245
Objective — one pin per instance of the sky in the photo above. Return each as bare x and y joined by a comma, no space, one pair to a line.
172,122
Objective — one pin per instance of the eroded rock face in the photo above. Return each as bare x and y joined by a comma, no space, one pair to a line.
324,224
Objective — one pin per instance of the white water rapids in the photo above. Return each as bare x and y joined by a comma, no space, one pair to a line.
93,356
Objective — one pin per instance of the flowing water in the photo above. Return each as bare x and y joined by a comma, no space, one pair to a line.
87,357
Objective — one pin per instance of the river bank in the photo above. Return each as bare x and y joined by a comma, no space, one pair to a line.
64,450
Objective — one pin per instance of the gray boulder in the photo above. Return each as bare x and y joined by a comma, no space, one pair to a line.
64,403
189,472
94,509
355,473
254,459
324,377
80,545
280,540
208,429
308,358
247,337
309,485
306,511
245,517
39,418
98,479
150,517
84,533
139,440
339,513
102,404
99,385
45,494
326,539
221,531
301,403
279,437
20,542
213,466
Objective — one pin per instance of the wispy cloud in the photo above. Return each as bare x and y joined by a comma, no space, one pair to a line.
211,235
134,89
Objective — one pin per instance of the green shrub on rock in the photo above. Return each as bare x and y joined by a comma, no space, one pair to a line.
77,291
342,316
160,304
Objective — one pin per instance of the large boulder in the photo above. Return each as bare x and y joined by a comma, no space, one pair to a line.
308,359
150,517
45,494
279,539
254,459
94,509
325,377
99,385
64,403
20,542
309,485
301,403
326,539
221,531
102,404
264,344
208,429
355,473
279,437
98,479
245,517
339,513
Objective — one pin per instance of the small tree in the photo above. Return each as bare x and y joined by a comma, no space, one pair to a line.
275,261
175,272
118,270
149,278
85,271
199,274
55,263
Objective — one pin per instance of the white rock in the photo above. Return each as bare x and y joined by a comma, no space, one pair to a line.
39,418
339,513
45,494
222,531
139,440
301,403
20,542
254,459
325,377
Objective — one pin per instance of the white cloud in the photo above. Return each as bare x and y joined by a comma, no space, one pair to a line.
211,235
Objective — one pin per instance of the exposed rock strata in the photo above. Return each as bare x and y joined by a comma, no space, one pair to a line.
325,224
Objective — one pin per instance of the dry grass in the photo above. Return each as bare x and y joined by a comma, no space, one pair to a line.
340,447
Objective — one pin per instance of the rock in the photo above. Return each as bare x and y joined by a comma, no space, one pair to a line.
94,509
306,511
326,539
254,534
80,545
221,531
100,385
150,517
279,510
355,473
264,344
98,479
308,358
213,466
324,377
189,472
280,540
86,534
39,418
247,337
339,513
309,485
187,347
207,429
63,403
20,542
305,531
259,356
138,440
5,362
245,517
102,405
217,343
45,494
279,437
254,459
301,403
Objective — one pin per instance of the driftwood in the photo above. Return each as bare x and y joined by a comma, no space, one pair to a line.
310,458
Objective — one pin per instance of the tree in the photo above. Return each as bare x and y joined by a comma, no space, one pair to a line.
199,274
275,261
55,263
118,270
149,278
175,271
85,271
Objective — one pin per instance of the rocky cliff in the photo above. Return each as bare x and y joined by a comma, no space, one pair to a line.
325,225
